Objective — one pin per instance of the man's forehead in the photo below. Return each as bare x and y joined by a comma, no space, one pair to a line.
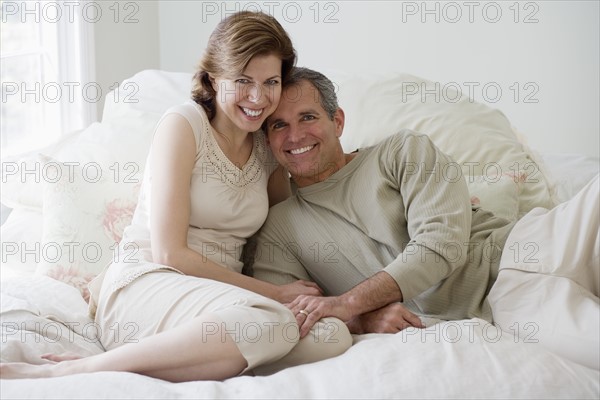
302,90
302,94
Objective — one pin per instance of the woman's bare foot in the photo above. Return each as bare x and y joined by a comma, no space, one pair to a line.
59,365
19,370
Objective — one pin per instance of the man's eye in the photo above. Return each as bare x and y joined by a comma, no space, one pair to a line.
278,125
308,117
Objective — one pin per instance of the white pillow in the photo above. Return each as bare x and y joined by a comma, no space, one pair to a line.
550,311
499,195
86,208
149,92
21,182
132,111
22,175
549,280
21,242
476,136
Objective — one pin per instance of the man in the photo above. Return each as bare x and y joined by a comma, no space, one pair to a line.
378,230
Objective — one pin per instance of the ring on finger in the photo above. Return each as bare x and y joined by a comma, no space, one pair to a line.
303,312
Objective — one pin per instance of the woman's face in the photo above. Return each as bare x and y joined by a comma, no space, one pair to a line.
244,102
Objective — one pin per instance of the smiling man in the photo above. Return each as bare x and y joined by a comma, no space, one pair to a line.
384,241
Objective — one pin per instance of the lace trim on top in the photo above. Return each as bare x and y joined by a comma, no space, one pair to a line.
234,176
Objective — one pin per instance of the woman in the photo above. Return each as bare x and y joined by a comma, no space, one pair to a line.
171,297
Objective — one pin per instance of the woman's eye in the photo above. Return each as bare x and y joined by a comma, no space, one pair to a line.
272,82
242,81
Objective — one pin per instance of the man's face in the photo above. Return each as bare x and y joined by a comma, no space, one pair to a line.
303,138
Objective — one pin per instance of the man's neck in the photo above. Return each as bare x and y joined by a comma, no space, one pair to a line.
304,181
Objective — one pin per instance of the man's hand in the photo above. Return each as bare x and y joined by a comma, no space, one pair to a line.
371,294
389,319
310,309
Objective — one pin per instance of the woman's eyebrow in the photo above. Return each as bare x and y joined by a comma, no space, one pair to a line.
271,77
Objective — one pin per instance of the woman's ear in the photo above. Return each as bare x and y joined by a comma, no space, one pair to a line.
213,82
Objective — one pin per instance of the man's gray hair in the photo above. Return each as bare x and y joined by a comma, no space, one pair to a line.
324,86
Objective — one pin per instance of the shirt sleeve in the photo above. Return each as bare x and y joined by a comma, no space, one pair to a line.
437,212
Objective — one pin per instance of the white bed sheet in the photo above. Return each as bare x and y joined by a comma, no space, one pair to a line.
466,359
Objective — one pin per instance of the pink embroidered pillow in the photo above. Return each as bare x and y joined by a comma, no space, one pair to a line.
86,207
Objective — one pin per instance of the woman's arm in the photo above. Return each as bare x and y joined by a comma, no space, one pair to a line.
172,161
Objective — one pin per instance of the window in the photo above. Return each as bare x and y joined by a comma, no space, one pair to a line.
46,72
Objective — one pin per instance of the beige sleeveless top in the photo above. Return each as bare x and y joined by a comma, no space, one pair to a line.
228,205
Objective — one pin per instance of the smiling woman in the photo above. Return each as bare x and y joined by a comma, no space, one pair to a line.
174,289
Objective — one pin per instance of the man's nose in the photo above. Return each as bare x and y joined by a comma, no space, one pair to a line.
295,133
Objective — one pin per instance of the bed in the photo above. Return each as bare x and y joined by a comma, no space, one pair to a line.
70,209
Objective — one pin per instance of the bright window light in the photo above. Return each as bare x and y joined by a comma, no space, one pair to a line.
46,70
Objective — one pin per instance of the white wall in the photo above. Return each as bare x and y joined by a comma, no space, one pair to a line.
553,58
126,38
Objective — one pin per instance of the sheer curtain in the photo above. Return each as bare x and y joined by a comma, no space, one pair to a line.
47,72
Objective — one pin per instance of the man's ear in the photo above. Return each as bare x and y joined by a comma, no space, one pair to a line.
339,118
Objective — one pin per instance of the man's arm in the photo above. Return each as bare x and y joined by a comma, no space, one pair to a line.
372,294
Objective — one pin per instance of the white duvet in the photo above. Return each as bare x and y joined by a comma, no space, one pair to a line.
467,358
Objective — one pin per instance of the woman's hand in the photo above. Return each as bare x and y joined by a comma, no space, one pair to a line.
310,309
288,293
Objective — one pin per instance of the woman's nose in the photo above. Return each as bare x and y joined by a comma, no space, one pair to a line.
254,93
